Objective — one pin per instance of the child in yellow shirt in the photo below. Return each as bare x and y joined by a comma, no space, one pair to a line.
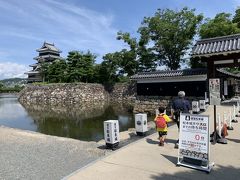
161,121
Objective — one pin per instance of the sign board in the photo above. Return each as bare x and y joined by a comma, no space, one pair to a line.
194,140
214,91
206,98
202,105
225,88
141,123
195,107
111,131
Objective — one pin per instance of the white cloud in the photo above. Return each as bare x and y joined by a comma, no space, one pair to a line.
236,4
12,70
69,26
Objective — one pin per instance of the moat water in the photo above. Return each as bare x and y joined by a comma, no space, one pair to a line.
83,123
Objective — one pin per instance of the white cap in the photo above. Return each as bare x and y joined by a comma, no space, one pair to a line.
181,94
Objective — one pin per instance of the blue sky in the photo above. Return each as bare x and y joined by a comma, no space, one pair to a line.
78,25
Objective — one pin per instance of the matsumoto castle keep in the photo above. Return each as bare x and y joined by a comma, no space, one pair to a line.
47,53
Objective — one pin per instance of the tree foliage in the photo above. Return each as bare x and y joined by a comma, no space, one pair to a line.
108,70
220,25
57,71
171,33
196,63
236,18
80,66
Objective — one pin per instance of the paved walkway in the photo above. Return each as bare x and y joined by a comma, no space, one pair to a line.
144,159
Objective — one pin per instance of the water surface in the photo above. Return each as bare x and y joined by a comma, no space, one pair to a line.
74,121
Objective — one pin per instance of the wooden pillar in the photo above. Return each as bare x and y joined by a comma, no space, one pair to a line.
210,69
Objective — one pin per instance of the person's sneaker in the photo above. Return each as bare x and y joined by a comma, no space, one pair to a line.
161,143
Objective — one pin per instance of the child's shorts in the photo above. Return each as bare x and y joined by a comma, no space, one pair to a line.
162,133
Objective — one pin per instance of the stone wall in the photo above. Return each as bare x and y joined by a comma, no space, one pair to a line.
149,104
64,94
86,94
123,92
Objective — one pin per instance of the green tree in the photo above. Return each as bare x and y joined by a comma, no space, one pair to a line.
127,59
196,63
80,66
1,85
220,25
234,70
44,71
109,68
236,17
138,58
171,33
56,71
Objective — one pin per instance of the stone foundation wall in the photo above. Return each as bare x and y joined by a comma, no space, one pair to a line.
61,94
123,92
149,104
86,94
76,93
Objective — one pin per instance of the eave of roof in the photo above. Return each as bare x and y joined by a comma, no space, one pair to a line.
33,65
49,46
221,70
48,56
32,72
175,73
217,46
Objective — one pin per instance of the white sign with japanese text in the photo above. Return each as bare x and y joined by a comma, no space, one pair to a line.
111,131
214,91
194,136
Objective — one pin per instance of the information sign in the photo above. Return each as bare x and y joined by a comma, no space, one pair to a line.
214,91
194,140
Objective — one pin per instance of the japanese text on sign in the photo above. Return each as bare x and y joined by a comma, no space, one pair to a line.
194,136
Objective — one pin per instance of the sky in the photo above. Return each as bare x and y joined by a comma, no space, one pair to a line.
79,25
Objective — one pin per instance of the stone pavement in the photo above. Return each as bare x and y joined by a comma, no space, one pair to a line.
144,159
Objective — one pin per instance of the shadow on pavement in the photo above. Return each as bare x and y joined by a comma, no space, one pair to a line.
172,159
150,141
234,140
173,141
218,172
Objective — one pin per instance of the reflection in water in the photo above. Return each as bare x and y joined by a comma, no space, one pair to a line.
79,122
12,114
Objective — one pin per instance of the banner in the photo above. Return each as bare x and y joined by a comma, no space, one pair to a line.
194,137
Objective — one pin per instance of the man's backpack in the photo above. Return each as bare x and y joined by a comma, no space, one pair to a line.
161,122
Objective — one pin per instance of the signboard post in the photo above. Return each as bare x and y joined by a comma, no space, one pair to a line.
214,94
214,91
194,142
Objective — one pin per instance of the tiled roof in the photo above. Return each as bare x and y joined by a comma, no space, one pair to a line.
48,46
174,73
222,70
32,72
218,45
48,56
33,65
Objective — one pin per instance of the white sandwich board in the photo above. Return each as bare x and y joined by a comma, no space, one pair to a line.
194,142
